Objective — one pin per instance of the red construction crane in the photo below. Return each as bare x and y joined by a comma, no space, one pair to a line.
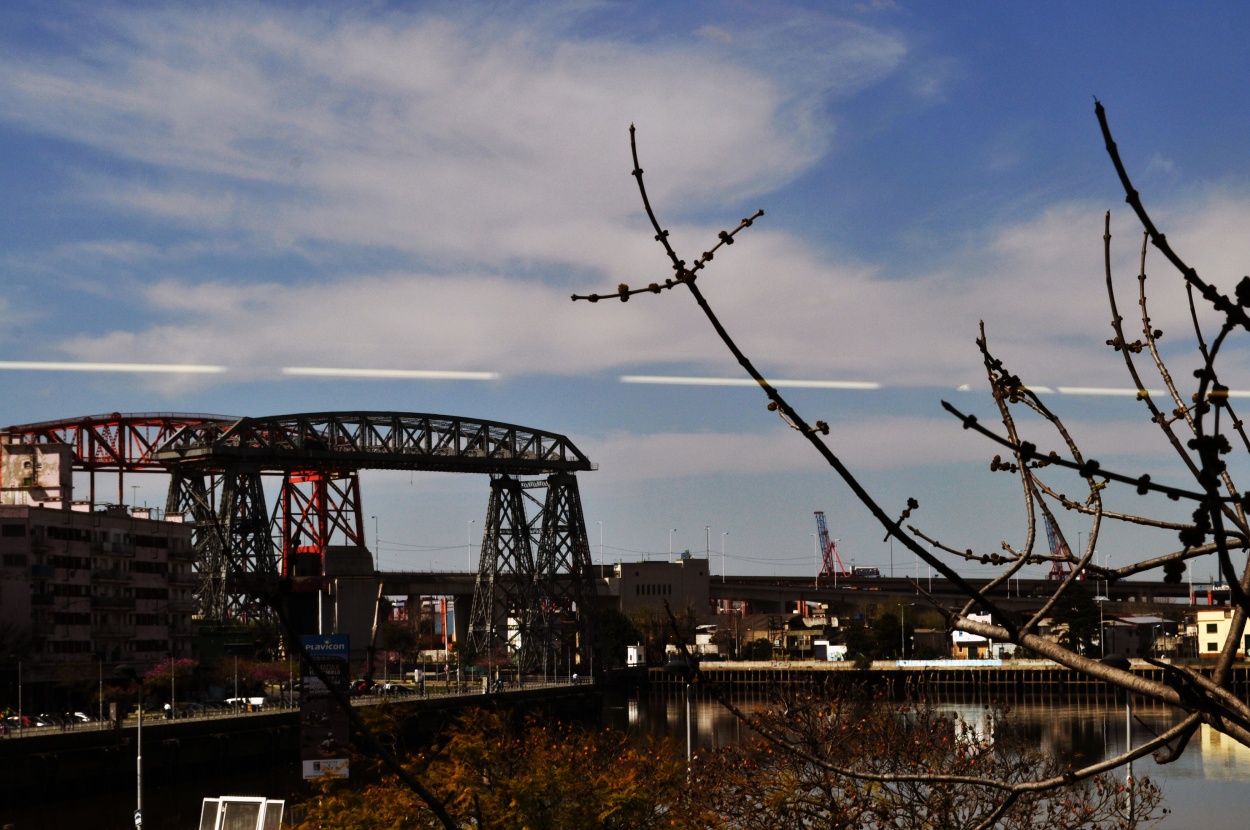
1059,569
829,550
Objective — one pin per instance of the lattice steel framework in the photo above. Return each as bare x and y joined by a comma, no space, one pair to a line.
195,496
216,465
313,506
388,440
113,443
234,550
530,600
502,618
564,569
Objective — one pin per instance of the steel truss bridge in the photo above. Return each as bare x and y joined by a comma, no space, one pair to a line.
532,600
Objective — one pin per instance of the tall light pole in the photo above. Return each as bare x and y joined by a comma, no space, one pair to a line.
377,546
670,544
902,629
722,556
707,541
600,543
139,760
468,543
1119,661
816,556
130,672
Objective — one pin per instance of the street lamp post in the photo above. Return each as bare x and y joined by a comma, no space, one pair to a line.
377,546
670,544
600,543
139,762
1119,661
130,672
816,556
722,556
902,631
468,543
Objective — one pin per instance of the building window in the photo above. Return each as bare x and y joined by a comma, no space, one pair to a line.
1212,628
12,530
1213,646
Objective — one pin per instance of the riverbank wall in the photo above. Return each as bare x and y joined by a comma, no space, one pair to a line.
50,765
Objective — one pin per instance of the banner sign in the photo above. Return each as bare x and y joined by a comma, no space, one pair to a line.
324,729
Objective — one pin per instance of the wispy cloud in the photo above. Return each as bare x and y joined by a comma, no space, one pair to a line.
433,134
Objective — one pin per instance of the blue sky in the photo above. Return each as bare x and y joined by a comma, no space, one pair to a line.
420,187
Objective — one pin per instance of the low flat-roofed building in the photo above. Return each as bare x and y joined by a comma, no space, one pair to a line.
684,583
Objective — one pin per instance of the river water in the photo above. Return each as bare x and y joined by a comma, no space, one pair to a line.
1206,788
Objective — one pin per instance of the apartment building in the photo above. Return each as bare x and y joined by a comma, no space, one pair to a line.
82,588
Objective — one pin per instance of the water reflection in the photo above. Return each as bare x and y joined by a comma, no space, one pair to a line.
1201,788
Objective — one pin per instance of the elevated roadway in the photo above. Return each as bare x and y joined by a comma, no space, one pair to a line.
771,594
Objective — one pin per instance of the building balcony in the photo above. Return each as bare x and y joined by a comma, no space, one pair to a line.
42,600
110,575
185,580
113,602
113,549
45,571
112,630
